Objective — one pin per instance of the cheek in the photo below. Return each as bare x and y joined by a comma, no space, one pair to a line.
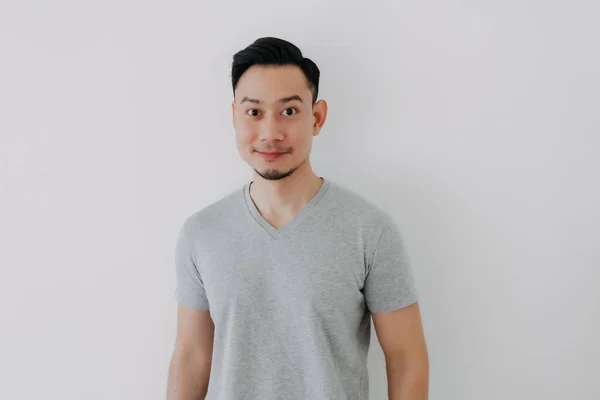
246,133
300,133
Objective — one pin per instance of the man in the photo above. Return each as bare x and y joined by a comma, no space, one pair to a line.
277,281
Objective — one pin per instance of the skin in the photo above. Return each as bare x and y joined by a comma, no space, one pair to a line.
273,111
400,334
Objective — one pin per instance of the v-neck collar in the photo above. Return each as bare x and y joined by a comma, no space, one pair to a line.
270,229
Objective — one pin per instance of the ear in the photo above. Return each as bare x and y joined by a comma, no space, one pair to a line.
233,112
319,115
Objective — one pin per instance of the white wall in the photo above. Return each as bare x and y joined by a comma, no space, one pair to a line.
476,125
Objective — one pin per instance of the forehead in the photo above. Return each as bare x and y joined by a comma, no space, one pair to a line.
270,83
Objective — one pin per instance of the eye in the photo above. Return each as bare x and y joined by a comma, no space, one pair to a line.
253,112
289,111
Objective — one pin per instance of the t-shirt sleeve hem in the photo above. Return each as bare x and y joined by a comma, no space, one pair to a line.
191,301
396,305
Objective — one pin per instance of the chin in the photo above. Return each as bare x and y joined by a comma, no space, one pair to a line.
274,174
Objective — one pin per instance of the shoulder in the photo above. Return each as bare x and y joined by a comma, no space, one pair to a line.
215,215
356,208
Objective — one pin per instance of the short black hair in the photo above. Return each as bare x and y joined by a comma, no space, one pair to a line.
274,51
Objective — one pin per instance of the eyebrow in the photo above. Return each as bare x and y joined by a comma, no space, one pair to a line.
282,100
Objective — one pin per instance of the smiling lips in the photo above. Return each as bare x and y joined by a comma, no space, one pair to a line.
271,155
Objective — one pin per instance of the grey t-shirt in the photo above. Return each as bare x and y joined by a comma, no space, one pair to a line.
291,307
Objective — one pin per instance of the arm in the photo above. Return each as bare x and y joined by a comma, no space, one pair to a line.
400,334
189,370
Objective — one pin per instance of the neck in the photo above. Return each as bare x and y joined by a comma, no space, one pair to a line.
285,197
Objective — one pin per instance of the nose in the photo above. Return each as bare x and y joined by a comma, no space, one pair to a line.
271,129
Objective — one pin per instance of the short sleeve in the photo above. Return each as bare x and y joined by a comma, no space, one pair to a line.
389,283
189,285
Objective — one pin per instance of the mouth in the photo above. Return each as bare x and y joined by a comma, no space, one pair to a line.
271,155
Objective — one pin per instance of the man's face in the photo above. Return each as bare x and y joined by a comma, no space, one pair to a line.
275,120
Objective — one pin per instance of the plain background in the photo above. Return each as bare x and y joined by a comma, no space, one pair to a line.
476,124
